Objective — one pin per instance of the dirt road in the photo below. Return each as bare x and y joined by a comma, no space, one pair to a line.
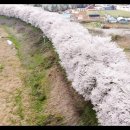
10,80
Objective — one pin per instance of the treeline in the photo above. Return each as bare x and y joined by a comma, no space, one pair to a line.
59,7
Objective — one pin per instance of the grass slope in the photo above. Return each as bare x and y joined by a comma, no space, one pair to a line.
38,58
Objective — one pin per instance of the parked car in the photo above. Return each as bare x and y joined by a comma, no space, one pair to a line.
122,20
99,8
128,19
112,20
110,7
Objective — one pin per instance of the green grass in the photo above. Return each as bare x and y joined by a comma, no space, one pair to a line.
38,83
93,24
41,60
3,17
14,40
36,79
115,37
89,116
51,120
127,49
12,37
1,67
114,13
37,66
19,104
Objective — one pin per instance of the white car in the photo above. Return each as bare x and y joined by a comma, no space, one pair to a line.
112,20
122,20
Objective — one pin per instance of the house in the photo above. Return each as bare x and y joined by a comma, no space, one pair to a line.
94,16
125,8
92,6
82,5
98,8
110,7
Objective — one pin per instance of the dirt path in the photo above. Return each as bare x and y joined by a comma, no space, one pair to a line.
9,80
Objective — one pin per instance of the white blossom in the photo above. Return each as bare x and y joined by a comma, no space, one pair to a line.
97,67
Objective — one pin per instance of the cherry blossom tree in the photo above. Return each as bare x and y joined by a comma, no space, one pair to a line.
97,67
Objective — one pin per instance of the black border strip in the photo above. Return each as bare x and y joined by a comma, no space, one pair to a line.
64,1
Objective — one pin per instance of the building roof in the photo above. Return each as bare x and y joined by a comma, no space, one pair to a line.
94,15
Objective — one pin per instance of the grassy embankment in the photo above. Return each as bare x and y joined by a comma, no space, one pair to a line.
37,63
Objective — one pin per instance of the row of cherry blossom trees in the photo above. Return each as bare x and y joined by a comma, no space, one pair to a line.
97,67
